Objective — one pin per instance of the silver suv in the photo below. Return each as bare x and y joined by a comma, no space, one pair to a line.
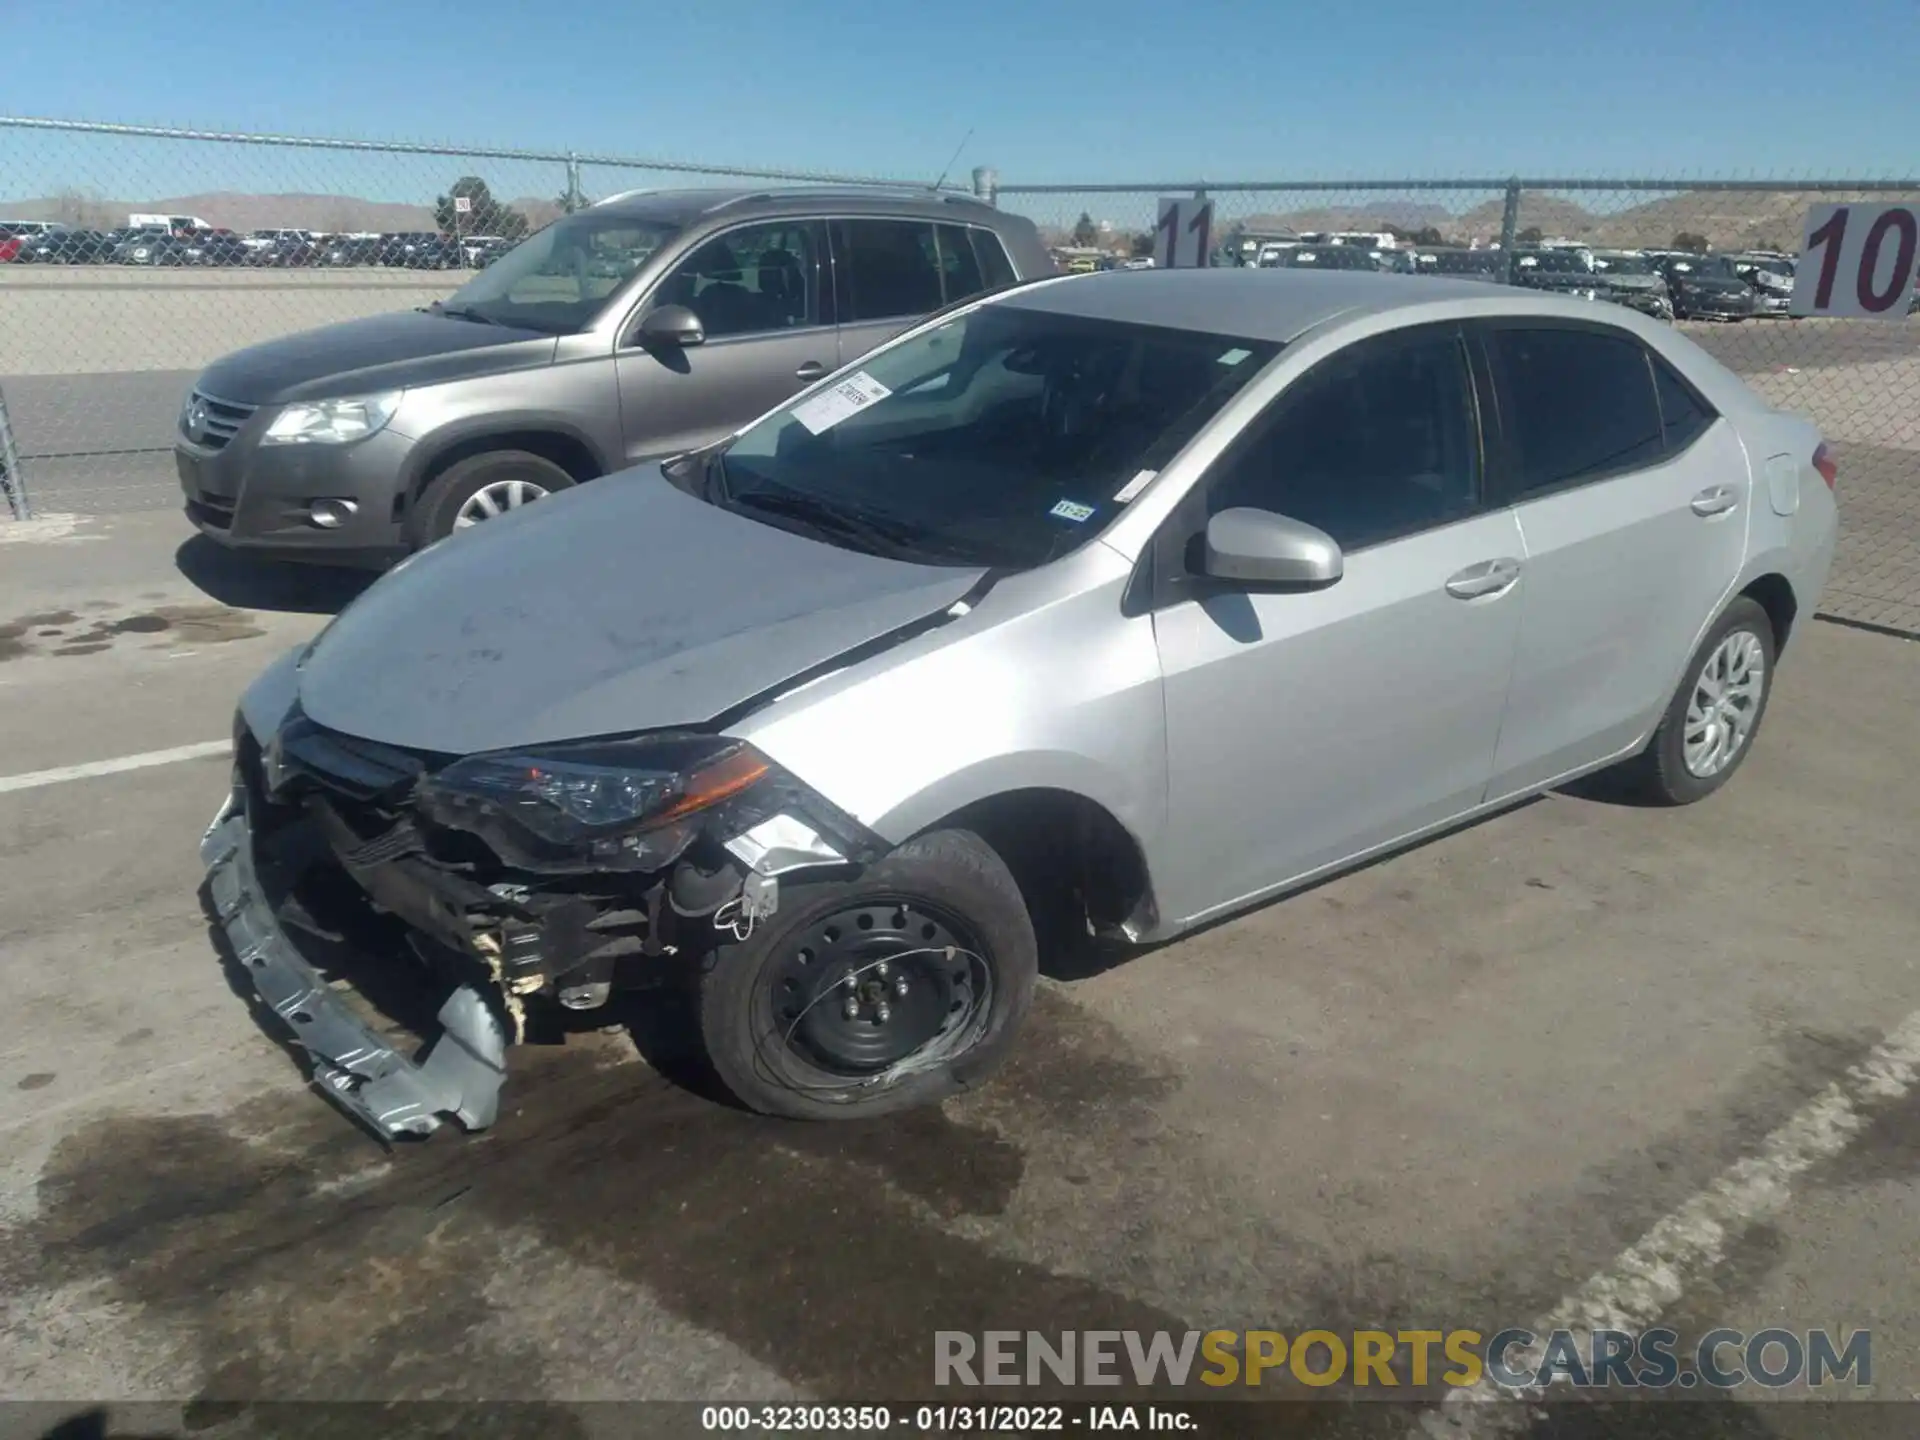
646,325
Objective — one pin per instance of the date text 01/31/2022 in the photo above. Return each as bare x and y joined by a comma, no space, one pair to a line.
941,1419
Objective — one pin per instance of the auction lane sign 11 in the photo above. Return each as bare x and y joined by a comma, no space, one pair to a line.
1183,237
1857,260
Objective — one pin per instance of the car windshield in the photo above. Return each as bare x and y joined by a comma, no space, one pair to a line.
1556,262
1330,257
1718,267
1004,437
557,279
1623,264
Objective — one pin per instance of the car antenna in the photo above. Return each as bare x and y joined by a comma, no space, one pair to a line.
950,162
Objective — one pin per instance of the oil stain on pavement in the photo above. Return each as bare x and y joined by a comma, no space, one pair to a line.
296,1259
64,633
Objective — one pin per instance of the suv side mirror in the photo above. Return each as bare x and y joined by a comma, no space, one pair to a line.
1259,548
671,325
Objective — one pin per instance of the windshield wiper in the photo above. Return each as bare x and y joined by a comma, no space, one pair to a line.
462,313
869,532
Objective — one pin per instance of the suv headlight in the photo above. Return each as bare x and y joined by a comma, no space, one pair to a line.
333,422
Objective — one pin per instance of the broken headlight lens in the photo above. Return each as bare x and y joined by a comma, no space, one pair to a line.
620,804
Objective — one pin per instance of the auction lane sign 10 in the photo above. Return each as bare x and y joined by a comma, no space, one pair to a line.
1857,260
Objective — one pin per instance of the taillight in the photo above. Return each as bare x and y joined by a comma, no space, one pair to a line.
1823,462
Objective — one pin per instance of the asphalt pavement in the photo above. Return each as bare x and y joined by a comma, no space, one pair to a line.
1475,1084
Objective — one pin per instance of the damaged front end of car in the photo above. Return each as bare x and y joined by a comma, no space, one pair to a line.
525,884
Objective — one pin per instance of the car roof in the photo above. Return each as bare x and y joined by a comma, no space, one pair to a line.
684,207
1277,304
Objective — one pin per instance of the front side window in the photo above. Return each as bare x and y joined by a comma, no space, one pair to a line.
1578,405
1375,443
1006,436
890,268
557,279
751,281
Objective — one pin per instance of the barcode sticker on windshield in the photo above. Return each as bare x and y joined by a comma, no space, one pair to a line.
1134,486
820,413
1234,357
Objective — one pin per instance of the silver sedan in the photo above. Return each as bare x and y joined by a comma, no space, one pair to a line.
1100,606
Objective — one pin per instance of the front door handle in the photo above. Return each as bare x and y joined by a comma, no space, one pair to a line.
812,370
1489,577
1714,500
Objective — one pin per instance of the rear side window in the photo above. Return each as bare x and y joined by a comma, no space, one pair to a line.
995,267
959,266
1684,416
892,268
1577,405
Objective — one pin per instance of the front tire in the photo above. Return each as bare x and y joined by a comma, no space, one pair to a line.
1710,724
481,487
889,990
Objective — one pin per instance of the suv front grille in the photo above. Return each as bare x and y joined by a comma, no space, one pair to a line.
212,423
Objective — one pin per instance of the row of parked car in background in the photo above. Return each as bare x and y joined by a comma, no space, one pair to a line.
1668,284
179,241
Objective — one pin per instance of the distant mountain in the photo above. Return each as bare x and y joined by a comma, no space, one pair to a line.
236,211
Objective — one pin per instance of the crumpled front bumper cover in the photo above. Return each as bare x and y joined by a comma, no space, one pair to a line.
394,1096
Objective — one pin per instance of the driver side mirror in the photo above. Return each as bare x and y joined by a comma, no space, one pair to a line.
674,326
1259,549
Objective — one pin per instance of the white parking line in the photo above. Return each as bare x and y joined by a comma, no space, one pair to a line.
33,779
1648,1277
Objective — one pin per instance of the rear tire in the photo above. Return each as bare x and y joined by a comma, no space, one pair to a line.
493,477
771,1006
1710,724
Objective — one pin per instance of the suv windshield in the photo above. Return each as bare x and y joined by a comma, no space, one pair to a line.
558,278
1004,437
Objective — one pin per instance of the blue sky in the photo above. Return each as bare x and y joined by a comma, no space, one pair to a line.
1055,90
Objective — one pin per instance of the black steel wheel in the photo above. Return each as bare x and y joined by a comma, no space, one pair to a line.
868,985
865,995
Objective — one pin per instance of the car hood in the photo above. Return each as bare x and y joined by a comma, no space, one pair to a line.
622,605
380,352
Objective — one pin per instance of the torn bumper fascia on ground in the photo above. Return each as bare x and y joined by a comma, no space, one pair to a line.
394,1096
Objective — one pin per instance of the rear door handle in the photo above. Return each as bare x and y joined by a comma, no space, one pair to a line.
1489,577
1715,500
812,370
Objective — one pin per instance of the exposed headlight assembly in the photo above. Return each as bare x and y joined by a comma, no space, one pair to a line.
634,804
333,422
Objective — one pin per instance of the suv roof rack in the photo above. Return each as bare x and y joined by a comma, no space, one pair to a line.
846,192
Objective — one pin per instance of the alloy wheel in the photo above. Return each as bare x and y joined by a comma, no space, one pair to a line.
496,499
1724,703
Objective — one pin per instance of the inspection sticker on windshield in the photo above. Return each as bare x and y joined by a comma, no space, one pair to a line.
1234,357
835,403
1072,510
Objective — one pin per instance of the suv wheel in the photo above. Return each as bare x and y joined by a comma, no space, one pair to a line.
863,996
481,487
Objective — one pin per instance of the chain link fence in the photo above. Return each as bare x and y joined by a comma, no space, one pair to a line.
1859,380
103,323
